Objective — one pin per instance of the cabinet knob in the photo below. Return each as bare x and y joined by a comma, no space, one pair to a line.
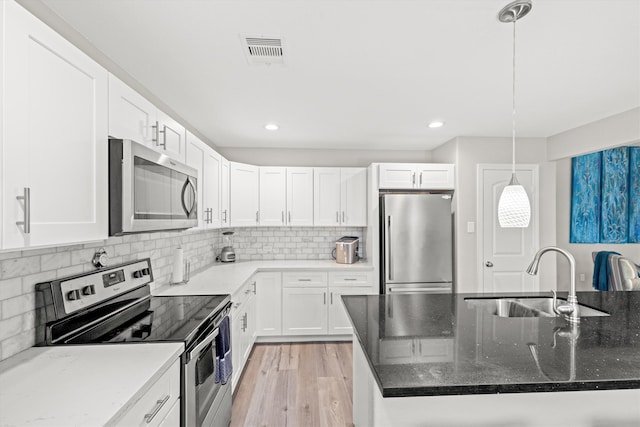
488,264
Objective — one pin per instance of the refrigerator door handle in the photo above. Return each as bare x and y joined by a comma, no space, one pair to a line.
388,258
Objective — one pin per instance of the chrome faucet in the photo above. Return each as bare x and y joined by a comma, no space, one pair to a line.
570,308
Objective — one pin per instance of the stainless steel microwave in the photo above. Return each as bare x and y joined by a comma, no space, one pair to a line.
149,191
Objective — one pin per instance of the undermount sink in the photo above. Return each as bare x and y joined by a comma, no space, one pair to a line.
526,307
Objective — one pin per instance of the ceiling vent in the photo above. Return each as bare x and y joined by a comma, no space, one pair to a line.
263,50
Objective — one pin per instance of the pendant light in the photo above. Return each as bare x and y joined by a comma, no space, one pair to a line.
514,210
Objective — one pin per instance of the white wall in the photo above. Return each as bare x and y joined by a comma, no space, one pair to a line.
319,157
467,153
617,130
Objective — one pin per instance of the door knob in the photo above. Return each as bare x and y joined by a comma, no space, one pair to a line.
488,264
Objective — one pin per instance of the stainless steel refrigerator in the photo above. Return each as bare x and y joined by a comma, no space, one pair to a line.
416,242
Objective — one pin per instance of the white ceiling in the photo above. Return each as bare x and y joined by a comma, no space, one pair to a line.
371,74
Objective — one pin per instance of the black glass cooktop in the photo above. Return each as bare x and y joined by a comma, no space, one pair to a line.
159,318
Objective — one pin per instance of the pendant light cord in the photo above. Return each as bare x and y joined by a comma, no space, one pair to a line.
513,113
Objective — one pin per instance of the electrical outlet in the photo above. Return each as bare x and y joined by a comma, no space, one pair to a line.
582,277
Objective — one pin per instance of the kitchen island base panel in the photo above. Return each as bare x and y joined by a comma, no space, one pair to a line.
567,409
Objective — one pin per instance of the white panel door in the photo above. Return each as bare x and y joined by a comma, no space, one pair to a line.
170,136
195,154
55,110
211,188
243,194
304,311
268,303
338,322
131,116
506,252
353,196
224,192
397,175
299,196
273,196
326,196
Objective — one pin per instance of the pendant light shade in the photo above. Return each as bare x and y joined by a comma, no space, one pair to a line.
514,210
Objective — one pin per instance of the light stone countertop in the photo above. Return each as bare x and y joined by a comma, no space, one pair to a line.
226,278
79,385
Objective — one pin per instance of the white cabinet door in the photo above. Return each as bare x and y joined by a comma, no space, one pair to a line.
273,200
170,136
55,127
243,194
211,188
436,176
249,332
299,197
397,175
224,192
268,304
131,116
326,196
195,158
353,194
237,348
339,323
304,311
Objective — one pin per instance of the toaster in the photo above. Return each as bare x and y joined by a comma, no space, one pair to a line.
346,251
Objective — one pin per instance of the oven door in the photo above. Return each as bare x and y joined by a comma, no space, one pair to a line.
203,397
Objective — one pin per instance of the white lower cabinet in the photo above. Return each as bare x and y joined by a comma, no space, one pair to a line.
339,323
243,327
156,406
304,310
268,304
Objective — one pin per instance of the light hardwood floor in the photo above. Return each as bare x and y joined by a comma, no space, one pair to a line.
296,385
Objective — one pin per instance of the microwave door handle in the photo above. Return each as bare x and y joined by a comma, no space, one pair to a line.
190,209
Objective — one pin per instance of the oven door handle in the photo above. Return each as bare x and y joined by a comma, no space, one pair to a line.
203,343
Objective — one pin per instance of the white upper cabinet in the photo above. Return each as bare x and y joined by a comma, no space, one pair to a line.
326,196
169,136
273,196
54,140
353,197
340,196
427,176
244,194
299,197
132,116
224,192
286,196
203,158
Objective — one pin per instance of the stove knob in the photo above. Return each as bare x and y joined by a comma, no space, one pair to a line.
89,290
145,271
137,274
73,295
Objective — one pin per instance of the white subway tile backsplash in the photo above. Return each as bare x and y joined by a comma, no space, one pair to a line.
19,267
10,288
55,261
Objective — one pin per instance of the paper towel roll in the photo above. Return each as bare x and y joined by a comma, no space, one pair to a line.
178,265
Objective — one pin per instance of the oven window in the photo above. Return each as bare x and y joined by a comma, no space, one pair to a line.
206,388
152,190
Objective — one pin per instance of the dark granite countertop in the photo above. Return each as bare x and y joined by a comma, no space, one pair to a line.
438,344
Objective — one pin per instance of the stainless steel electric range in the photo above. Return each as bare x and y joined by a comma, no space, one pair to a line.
114,305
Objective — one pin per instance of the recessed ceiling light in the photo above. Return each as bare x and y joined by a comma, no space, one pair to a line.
436,124
271,126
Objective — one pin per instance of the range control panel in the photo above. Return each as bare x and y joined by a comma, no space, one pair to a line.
80,292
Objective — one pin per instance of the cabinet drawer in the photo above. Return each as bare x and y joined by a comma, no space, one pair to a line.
349,279
240,296
304,279
157,402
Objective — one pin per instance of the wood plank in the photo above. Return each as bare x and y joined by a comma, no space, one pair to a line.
282,386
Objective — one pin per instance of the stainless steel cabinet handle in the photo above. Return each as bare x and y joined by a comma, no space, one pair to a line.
283,217
325,298
159,404
350,278
289,217
343,217
389,259
413,178
331,298
488,264
225,216
337,217
304,280
156,133
26,199
413,346
257,217
164,137
421,184
254,287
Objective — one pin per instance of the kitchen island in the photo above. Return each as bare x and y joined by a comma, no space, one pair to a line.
443,359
